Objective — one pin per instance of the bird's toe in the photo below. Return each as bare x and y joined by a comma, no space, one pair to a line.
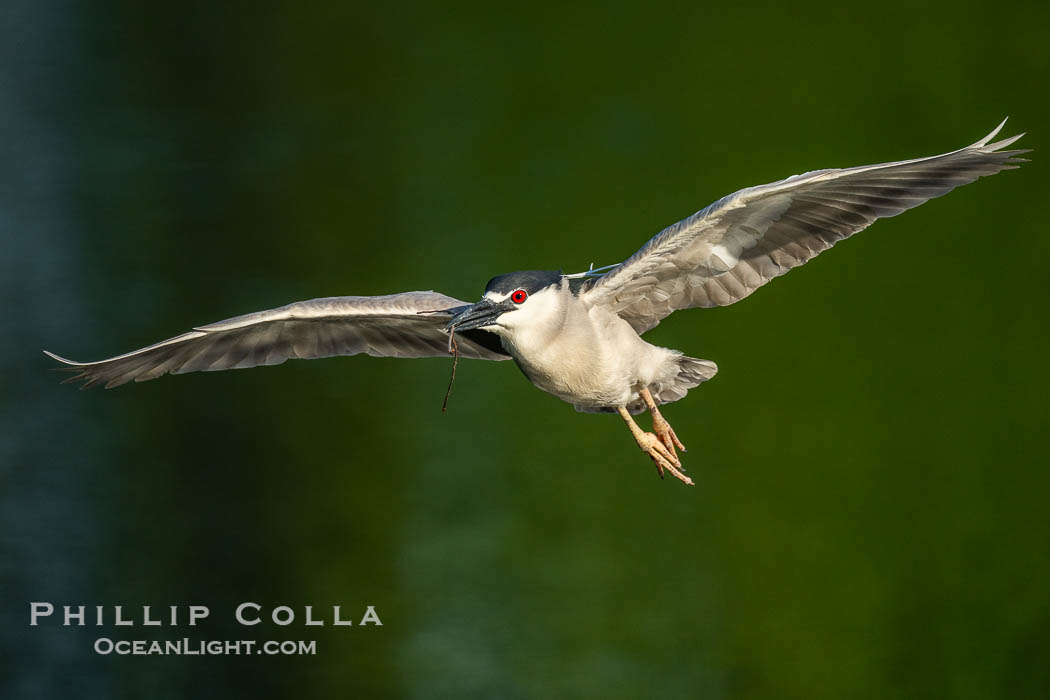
663,458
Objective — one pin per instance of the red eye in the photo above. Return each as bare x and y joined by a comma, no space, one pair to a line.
519,296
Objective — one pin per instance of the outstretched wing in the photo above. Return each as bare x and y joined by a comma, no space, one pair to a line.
397,325
724,252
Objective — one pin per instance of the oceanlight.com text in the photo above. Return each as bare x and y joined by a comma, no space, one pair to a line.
202,647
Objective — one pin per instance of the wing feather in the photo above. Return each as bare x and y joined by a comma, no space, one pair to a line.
386,326
726,251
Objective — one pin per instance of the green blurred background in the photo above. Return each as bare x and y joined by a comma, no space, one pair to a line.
870,517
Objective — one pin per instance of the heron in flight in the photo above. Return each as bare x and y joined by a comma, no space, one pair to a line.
579,336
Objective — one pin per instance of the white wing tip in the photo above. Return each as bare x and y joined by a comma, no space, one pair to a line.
63,360
984,142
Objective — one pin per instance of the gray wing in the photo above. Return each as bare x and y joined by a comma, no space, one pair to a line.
384,326
724,252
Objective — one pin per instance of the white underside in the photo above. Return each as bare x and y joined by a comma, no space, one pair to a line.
589,356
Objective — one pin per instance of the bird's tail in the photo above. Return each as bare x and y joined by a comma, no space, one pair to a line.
691,373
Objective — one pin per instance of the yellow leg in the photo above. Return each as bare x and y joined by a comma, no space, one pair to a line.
654,447
661,427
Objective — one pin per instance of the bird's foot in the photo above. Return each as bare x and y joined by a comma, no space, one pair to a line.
665,432
663,457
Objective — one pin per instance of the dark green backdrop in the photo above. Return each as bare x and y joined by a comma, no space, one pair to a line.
870,517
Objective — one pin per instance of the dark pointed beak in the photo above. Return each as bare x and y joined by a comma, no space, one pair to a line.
484,313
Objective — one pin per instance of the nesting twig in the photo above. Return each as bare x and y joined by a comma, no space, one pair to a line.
453,350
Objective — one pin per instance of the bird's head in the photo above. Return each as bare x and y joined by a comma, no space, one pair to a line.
511,301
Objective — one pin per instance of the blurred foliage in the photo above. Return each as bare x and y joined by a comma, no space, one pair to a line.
870,517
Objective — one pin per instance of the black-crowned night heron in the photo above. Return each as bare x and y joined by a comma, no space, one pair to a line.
578,336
